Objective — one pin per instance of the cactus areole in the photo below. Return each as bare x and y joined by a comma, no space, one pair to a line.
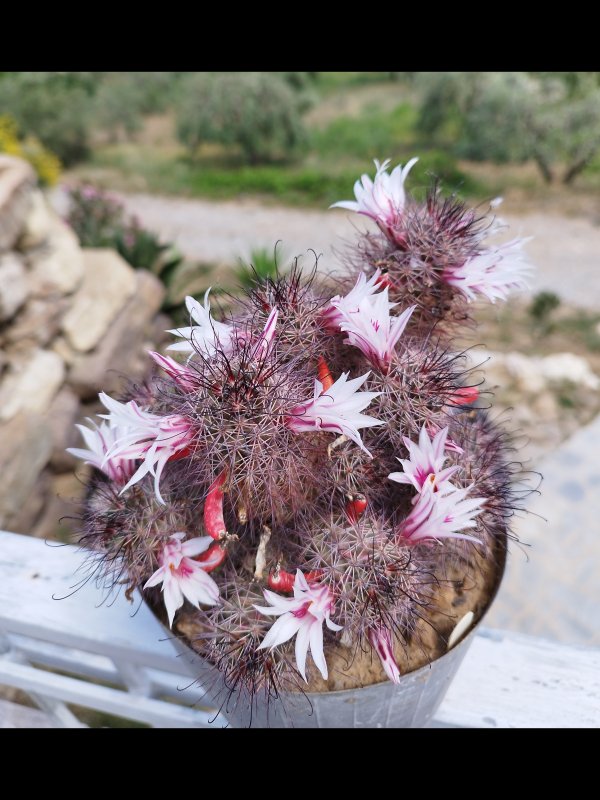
314,491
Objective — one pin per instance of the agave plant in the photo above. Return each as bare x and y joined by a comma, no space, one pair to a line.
299,484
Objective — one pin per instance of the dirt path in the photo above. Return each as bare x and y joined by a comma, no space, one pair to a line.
565,250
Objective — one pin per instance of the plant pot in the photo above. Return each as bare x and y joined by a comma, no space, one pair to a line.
412,703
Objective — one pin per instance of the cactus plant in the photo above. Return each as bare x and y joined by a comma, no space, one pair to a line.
312,485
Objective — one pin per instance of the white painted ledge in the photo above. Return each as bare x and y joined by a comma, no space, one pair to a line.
511,680
507,680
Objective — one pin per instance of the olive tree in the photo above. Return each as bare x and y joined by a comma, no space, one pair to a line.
257,112
550,118
54,106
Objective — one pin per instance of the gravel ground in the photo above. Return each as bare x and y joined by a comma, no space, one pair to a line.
565,250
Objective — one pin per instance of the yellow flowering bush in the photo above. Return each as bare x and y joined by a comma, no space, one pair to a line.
45,163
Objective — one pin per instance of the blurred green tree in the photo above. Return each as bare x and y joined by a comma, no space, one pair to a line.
54,106
551,118
257,112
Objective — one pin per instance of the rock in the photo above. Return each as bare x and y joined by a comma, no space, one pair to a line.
107,285
532,374
57,265
13,285
525,372
17,180
64,497
561,367
31,383
158,332
61,347
490,365
64,413
38,223
121,351
33,506
25,447
545,406
38,322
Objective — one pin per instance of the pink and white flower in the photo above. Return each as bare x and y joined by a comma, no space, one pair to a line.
265,340
450,446
100,441
371,328
381,641
150,437
340,306
337,409
383,199
425,462
207,335
302,616
441,515
184,377
182,577
493,272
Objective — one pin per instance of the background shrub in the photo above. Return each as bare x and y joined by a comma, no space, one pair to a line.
117,107
547,117
99,220
56,107
44,162
259,113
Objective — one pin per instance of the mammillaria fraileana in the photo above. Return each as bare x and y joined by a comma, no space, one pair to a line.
268,456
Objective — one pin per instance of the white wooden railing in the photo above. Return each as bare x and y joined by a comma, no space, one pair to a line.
62,649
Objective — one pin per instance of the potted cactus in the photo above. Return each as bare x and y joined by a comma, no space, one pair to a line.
311,494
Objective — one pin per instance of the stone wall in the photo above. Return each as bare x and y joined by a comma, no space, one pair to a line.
73,321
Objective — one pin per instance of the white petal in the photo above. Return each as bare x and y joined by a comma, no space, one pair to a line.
195,310
181,347
269,610
399,477
173,598
142,470
302,642
185,333
193,547
333,626
351,205
300,584
156,578
278,601
316,647
84,455
280,631
200,588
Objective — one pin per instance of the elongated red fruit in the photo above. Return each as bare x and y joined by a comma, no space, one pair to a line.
324,374
465,395
281,581
214,522
355,507
384,281
213,557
